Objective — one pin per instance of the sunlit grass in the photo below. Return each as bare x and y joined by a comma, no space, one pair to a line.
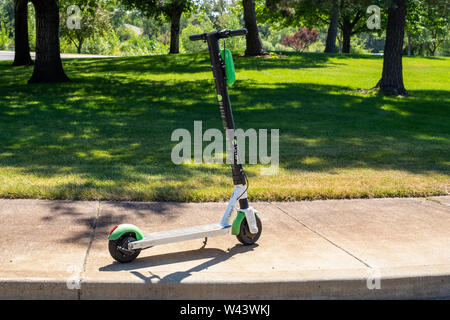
106,134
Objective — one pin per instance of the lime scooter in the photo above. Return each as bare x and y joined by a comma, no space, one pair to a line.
126,240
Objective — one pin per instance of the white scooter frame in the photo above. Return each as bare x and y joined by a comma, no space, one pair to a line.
204,231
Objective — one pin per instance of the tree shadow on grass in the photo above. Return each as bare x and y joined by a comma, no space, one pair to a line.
200,63
114,132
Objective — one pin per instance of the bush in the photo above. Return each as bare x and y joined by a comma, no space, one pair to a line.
5,41
318,46
192,46
267,45
301,40
142,45
195,25
358,46
125,33
96,45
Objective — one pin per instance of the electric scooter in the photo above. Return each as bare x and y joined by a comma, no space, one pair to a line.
126,240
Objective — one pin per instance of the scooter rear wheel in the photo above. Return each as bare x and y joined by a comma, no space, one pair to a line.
245,236
119,248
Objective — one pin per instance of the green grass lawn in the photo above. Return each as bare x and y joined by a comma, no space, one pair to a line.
106,134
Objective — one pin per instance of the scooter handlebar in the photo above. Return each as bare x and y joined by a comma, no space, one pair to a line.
196,37
234,33
220,34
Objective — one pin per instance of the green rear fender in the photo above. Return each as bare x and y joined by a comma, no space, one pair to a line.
126,228
236,226
230,72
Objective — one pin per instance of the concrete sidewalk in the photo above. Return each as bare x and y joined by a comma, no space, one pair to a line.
335,249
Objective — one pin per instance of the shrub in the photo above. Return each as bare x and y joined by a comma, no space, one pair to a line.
267,45
192,46
5,41
301,40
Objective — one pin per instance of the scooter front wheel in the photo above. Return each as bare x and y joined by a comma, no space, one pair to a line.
119,248
245,236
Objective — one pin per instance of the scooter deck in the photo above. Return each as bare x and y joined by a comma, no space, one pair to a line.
177,235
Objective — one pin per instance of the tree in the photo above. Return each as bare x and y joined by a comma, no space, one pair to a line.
347,14
22,55
301,40
94,22
48,65
254,43
413,23
351,22
426,26
7,14
168,9
214,9
330,44
391,82
435,24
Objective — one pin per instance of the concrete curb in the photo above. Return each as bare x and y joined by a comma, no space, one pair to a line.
412,287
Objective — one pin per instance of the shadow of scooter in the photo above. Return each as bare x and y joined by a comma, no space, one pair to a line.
217,256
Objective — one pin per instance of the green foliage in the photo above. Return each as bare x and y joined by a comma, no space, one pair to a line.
231,21
125,33
427,25
358,46
318,46
192,46
5,41
7,15
140,45
161,8
31,27
98,45
94,22
201,23
195,25
6,23
214,9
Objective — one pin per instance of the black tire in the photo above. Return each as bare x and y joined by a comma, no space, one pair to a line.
120,255
245,236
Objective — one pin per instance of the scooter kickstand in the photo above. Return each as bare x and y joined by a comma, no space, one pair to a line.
204,243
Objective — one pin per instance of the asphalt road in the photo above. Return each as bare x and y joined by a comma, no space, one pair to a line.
6,55
9,56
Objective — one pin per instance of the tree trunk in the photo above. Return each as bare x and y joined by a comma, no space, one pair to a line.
175,32
254,43
409,45
346,37
80,45
22,47
433,51
330,46
48,66
339,39
391,82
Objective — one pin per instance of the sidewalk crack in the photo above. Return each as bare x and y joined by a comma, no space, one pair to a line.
322,236
88,250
